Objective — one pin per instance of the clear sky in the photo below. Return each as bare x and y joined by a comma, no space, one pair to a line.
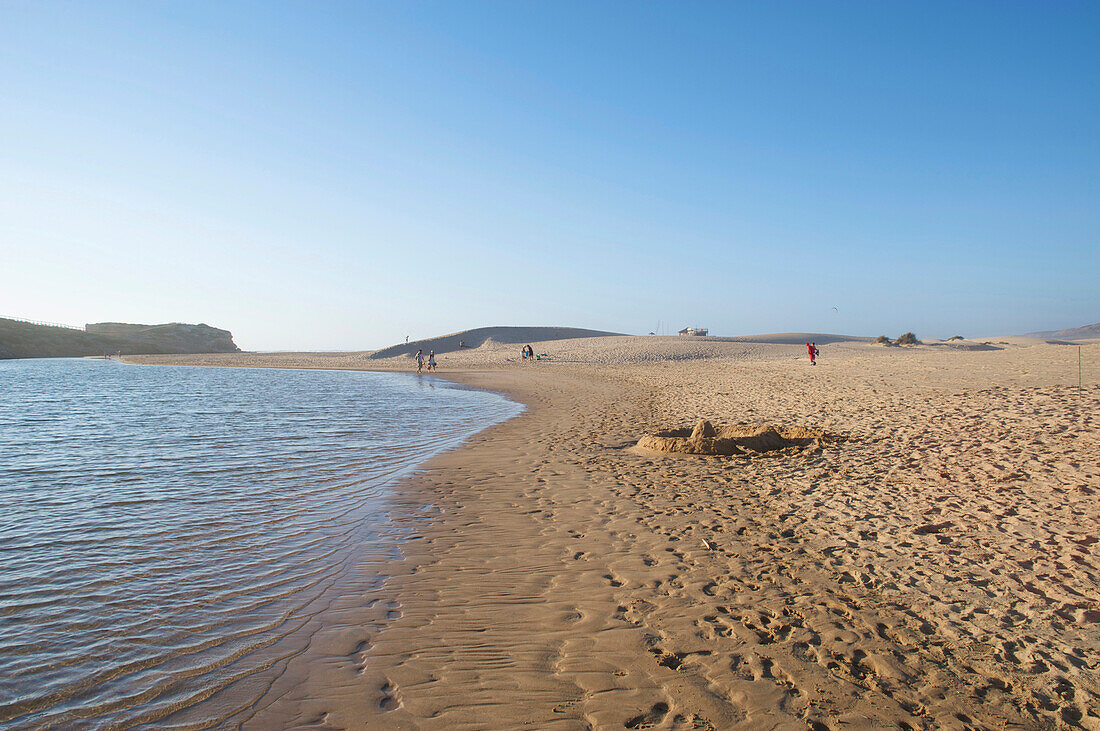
325,175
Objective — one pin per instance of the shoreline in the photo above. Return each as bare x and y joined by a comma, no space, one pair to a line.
891,580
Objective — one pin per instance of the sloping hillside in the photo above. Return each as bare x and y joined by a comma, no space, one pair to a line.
1088,332
25,340
477,337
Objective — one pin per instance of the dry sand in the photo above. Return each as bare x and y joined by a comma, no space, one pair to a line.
937,569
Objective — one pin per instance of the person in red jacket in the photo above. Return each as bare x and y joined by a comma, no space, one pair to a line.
811,348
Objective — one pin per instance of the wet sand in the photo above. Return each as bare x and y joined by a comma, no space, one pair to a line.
938,569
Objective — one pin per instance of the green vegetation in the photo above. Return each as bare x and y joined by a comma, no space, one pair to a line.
908,339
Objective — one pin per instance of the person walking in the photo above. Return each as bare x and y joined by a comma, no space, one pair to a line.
431,360
419,360
811,348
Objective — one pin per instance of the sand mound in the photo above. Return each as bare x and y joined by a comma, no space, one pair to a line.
490,336
963,344
705,439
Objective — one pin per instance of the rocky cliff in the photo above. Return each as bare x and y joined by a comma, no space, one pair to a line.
26,340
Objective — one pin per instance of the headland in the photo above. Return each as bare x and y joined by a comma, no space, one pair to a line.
26,339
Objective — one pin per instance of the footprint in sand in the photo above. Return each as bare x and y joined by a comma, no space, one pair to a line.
389,700
653,717
357,654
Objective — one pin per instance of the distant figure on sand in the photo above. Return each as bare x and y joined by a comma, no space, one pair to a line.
419,360
811,348
431,360
406,340
528,352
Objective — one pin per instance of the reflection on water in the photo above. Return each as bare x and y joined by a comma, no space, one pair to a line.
160,526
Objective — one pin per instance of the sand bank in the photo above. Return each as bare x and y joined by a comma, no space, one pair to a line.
936,569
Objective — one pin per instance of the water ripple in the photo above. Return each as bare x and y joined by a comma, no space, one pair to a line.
162,528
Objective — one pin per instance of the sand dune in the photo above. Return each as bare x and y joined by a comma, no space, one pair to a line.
794,338
488,335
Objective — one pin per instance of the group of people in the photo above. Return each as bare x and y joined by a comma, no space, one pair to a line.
420,360
529,354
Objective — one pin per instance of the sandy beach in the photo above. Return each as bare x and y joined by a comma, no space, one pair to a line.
932,564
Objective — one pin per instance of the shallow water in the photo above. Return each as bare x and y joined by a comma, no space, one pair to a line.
161,526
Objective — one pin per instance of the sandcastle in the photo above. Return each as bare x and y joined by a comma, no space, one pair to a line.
705,439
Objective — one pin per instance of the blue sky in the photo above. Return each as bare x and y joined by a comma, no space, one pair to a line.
338,175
